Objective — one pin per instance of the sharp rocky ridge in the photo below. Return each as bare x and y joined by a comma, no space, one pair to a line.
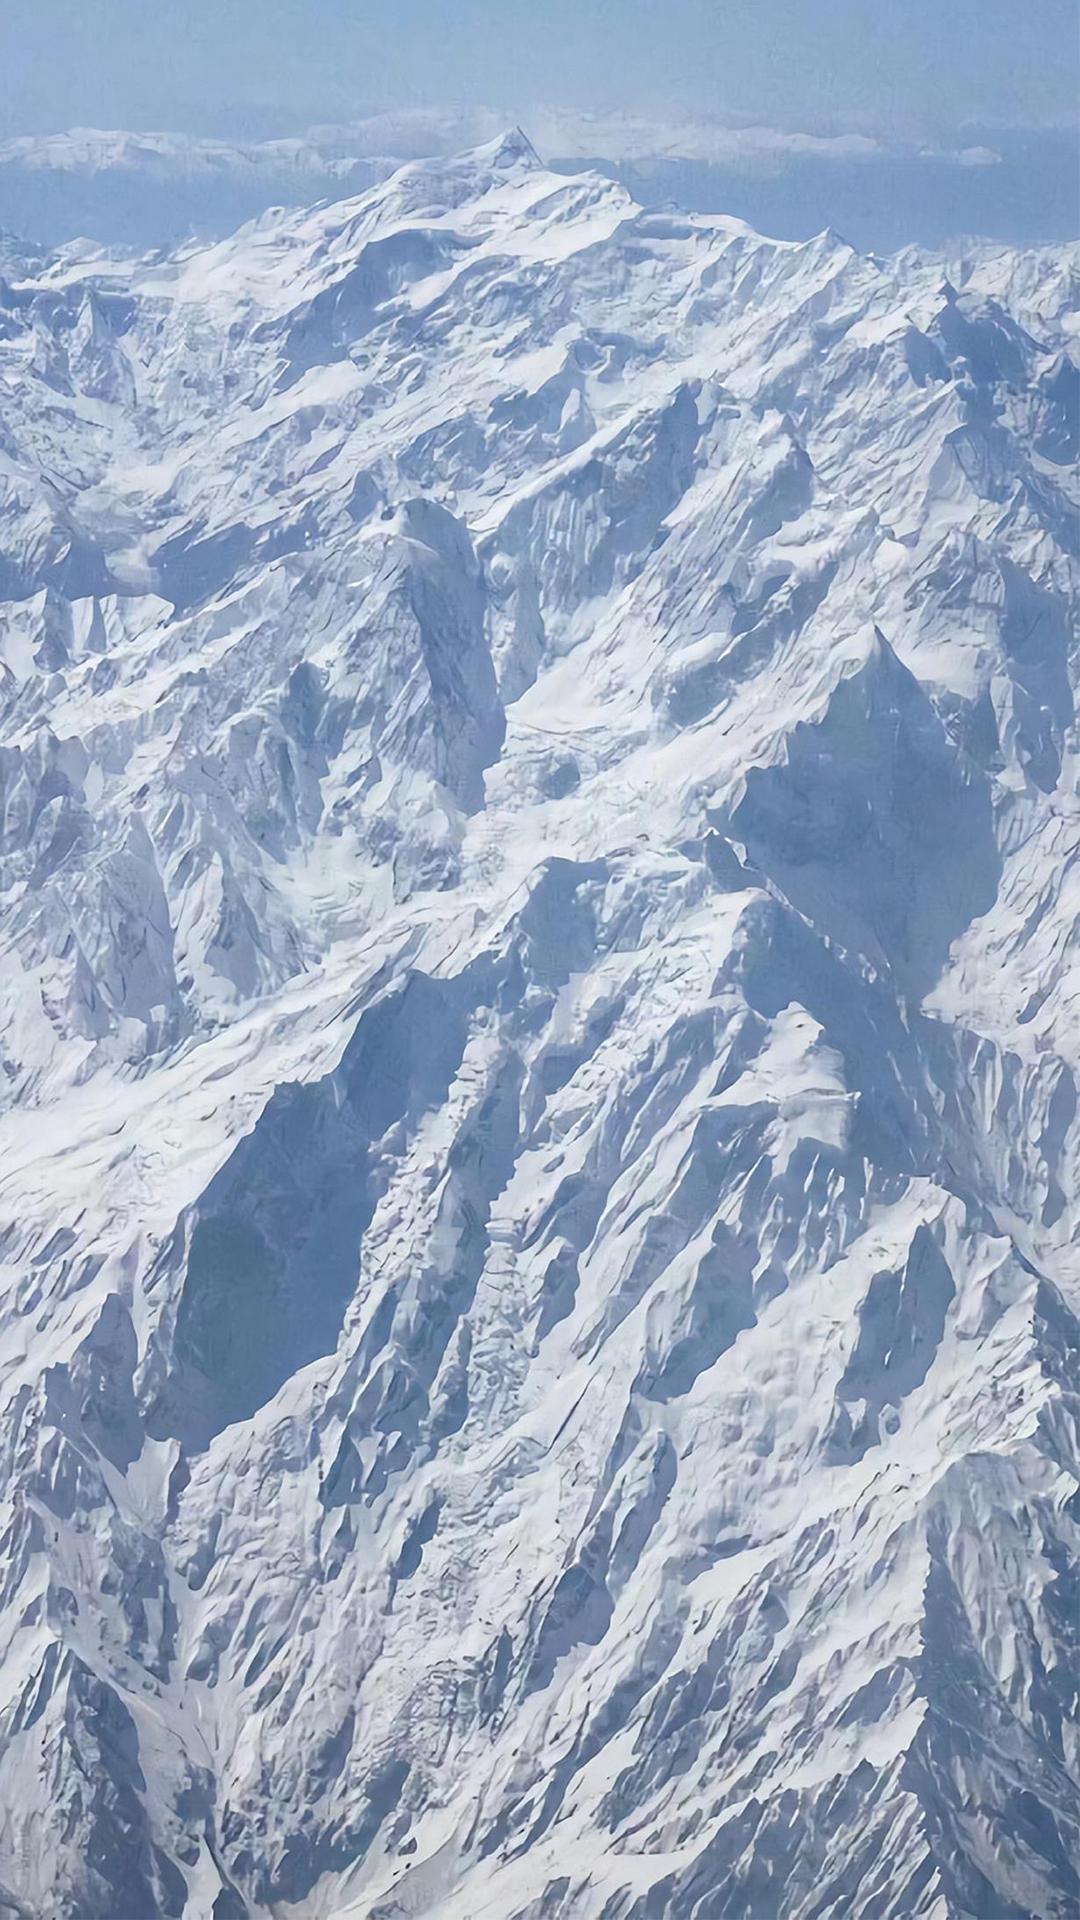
539,1155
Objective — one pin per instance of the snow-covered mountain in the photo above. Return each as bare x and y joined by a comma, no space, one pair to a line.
539,1026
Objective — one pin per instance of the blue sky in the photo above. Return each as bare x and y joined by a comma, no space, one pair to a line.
918,70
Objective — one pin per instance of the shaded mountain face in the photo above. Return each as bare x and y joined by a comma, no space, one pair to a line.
538,1186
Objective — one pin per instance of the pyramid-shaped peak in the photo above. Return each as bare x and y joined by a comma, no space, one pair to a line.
510,149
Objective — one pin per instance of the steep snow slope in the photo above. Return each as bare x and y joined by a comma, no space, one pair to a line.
539,1154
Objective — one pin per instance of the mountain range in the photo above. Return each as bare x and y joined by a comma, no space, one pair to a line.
538,1189
158,189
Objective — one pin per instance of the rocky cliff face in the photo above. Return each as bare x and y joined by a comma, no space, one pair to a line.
539,1156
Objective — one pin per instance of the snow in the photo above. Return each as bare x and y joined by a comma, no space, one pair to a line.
538,1146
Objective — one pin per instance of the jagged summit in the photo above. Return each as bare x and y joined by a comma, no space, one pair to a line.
539,1139
508,149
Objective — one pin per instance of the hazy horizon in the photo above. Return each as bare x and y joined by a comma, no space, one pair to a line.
921,123
923,71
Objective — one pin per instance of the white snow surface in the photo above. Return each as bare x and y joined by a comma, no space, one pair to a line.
539,1036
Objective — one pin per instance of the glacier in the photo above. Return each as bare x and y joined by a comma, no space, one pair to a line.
539,1222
